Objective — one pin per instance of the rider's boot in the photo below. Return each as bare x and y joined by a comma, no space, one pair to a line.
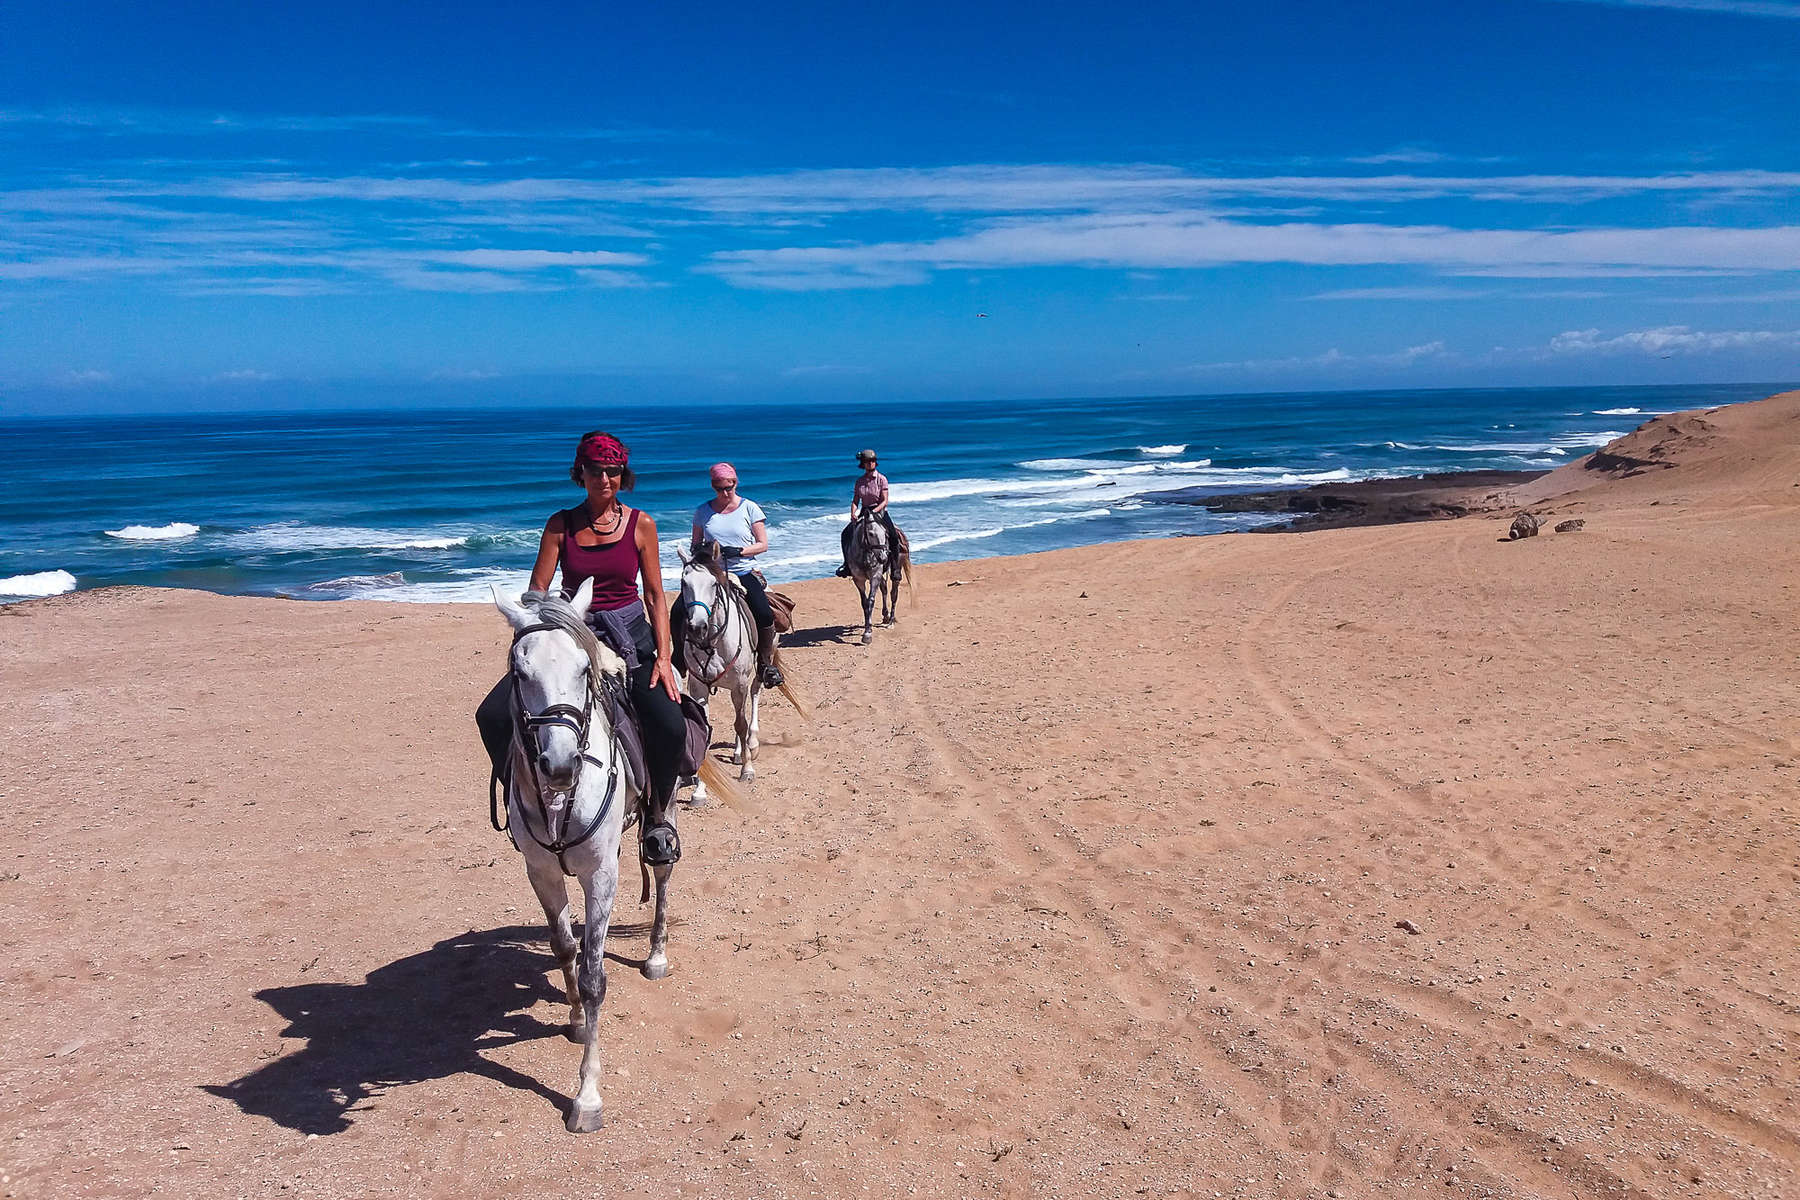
766,670
843,572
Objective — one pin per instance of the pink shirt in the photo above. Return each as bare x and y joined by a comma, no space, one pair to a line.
871,489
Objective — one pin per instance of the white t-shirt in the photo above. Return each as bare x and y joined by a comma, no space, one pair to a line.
732,530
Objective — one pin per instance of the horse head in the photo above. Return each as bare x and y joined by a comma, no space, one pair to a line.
555,664
702,584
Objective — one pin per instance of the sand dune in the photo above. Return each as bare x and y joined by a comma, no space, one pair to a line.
1092,877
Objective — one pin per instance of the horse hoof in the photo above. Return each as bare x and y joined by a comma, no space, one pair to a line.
867,638
656,968
576,1031
584,1120
746,775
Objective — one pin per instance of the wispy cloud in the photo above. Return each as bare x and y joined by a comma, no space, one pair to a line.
472,230
1333,359
1162,240
1670,340
1737,8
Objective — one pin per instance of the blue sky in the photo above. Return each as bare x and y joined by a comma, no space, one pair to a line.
230,205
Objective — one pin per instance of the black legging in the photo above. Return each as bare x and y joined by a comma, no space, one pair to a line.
757,594
665,730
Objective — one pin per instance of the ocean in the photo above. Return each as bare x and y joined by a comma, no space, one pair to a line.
431,506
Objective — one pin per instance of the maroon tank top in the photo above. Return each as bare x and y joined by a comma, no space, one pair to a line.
613,567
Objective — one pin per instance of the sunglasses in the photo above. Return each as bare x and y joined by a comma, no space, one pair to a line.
724,485
610,471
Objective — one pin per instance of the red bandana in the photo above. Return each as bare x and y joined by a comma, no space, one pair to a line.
603,450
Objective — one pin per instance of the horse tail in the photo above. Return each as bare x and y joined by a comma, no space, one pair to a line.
719,782
787,689
906,574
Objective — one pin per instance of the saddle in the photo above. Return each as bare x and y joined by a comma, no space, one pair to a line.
780,603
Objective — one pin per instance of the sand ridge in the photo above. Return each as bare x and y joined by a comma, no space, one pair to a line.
1087,879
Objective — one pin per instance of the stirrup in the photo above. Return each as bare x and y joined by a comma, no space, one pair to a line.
770,675
660,846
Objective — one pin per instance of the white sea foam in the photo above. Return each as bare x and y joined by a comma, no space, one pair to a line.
1070,464
1112,466
154,533
1617,412
39,583
1168,451
473,586
294,536
1535,448
1584,440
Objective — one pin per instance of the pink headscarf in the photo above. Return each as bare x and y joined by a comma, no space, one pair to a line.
723,469
603,450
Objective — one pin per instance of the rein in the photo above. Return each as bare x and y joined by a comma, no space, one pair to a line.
718,620
579,721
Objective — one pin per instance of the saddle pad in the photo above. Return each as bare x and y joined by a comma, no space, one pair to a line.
782,605
623,716
699,735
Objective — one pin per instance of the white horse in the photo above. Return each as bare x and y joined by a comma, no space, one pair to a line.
569,793
876,568
719,651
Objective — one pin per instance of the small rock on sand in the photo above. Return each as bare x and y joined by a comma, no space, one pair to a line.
1570,526
1409,926
1524,525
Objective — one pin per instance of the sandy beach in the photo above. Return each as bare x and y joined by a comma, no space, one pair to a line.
1340,863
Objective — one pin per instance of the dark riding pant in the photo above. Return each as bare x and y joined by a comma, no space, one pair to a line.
659,718
758,595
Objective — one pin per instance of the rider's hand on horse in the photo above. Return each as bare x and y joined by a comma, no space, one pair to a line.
664,674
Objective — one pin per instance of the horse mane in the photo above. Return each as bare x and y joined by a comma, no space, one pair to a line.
707,555
555,611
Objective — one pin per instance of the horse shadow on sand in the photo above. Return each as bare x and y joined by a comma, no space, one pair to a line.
820,635
427,1016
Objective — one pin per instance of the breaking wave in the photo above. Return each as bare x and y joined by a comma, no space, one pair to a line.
39,583
154,533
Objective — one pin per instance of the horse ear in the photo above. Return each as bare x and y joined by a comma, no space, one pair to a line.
584,596
511,609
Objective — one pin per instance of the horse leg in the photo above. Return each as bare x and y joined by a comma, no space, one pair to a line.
701,693
657,965
755,718
889,589
867,594
601,886
547,881
743,708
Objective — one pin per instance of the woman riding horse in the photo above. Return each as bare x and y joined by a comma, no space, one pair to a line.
740,530
869,494
614,545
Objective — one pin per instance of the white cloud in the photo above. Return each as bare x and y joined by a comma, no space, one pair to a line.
1164,240
1670,340
1333,359
244,376
533,260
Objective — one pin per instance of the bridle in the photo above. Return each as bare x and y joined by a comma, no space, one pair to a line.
578,720
718,619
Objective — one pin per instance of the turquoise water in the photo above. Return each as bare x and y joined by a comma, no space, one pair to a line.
433,505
